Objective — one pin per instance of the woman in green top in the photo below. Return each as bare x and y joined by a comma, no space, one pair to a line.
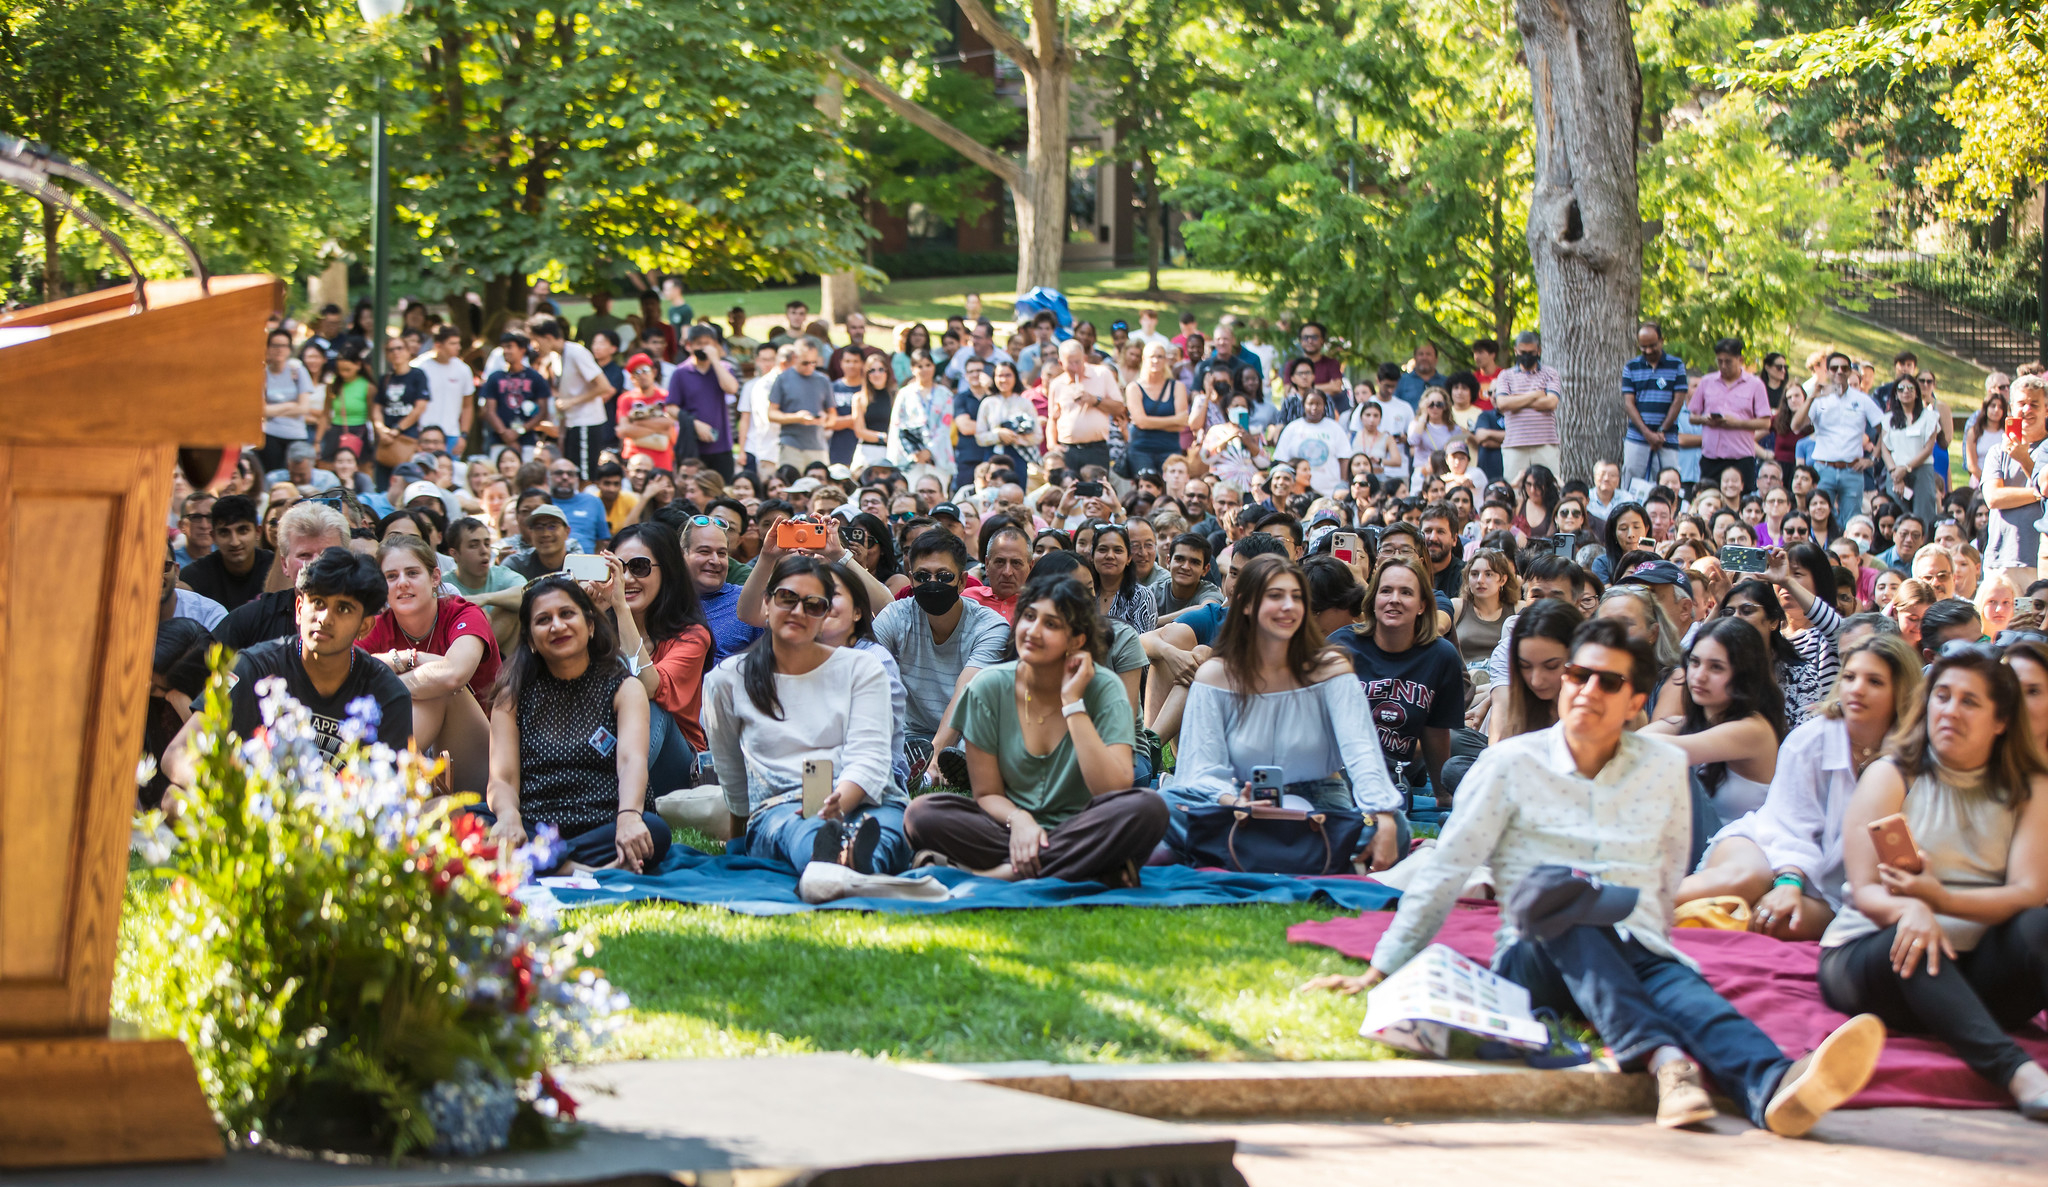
348,401
1048,738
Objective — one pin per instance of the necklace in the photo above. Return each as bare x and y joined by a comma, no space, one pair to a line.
1025,712
411,638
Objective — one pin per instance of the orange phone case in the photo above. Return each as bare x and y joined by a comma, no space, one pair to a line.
1894,843
793,534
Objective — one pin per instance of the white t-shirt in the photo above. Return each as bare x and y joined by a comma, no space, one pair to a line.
1838,425
449,387
579,371
764,437
1323,446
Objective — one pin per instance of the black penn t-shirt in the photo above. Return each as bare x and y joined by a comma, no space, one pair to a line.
1408,691
367,677
209,577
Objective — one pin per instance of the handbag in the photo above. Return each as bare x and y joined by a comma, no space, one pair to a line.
1248,838
393,447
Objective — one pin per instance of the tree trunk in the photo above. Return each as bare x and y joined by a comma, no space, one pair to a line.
53,260
1585,221
1041,202
838,292
1155,221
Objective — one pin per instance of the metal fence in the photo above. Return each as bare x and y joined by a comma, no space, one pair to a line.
1961,304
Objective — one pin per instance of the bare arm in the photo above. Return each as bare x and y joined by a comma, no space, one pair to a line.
439,675
502,793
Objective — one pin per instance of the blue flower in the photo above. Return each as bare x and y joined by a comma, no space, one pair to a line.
365,712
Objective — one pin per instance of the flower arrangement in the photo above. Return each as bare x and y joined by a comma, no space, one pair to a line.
344,956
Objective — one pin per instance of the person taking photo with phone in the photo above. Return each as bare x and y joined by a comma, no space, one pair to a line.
790,702
1274,694
1946,933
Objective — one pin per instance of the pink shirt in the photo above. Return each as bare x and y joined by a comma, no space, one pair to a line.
1743,399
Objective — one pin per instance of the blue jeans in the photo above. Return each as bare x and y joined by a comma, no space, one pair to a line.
1640,1001
1844,486
782,834
671,763
1329,793
1143,458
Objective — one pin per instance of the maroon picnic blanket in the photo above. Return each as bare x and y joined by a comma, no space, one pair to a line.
1772,982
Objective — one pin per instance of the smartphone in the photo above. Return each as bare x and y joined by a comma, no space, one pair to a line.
1244,418
799,533
586,566
1266,784
817,784
700,356
2022,606
1894,843
1561,543
1737,559
1347,547
1088,490
2015,432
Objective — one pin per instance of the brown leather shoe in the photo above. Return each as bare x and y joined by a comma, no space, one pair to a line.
1835,1071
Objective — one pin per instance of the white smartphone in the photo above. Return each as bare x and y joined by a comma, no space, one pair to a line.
817,785
586,566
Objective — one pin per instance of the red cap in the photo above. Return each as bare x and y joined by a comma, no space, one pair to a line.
638,361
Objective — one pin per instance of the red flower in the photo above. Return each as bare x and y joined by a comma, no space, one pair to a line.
522,981
565,1105
447,874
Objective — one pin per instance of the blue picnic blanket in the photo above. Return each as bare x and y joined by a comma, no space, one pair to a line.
751,886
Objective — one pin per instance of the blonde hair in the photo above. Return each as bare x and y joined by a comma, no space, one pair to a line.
1985,584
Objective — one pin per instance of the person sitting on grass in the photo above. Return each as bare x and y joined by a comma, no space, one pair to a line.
1785,858
569,737
1732,720
663,635
790,700
1048,757
322,669
1968,776
1275,695
445,654
1587,795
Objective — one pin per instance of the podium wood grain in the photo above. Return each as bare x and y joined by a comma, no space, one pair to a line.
85,481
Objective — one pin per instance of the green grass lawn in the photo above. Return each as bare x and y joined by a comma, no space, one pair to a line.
1067,985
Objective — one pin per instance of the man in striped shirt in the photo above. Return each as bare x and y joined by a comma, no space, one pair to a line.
1527,396
1653,392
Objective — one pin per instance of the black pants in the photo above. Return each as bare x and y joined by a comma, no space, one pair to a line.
1087,453
1970,1005
273,451
1096,844
1466,747
583,443
1711,467
721,462
598,846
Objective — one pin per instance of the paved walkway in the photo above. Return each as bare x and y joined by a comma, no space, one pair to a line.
1862,1148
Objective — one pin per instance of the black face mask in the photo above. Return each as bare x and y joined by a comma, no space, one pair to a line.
936,597
1528,360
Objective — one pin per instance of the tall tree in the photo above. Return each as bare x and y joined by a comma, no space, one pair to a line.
1146,78
1038,182
1585,222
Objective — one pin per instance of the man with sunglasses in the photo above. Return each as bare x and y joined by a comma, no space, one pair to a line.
941,641
174,602
1841,418
1598,821
706,552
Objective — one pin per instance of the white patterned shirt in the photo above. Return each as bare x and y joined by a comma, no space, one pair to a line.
1524,804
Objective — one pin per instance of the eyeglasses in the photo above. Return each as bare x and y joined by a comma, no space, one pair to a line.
639,566
942,576
809,605
1840,369
1610,682
199,517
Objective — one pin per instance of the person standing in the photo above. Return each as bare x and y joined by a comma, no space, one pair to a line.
1840,416
450,384
1158,408
289,399
1527,395
1586,826
580,389
516,400
2012,486
756,436
801,402
1319,443
1653,391
1081,401
1732,406
1421,376
700,386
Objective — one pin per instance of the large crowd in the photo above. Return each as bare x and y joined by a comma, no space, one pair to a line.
1108,585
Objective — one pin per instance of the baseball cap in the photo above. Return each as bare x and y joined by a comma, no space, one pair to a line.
948,511
1655,573
838,472
1459,446
804,486
638,361
544,511
1553,899
410,471
423,490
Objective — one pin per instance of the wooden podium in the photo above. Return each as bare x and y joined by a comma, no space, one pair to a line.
94,415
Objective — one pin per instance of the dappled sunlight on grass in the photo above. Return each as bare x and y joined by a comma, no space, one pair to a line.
1068,985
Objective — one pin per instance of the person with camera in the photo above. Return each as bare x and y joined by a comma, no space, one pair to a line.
1274,695
322,668
647,425
700,388
1007,420
569,737
1585,826
1048,746
791,710
1946,846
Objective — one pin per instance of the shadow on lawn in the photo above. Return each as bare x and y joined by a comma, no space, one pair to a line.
1058,985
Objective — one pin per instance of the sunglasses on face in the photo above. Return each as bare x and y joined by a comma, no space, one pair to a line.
809,605
1839,370
639,566
1610,682
942,576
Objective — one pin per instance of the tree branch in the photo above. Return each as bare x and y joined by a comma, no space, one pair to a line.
1000,164
1004,41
